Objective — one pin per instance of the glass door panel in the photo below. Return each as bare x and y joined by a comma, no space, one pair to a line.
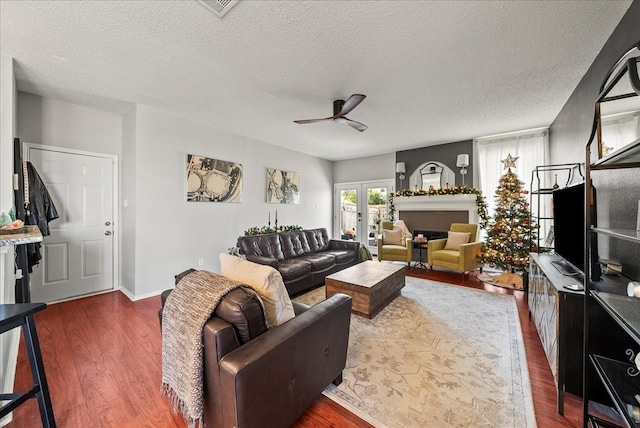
348,213
376,209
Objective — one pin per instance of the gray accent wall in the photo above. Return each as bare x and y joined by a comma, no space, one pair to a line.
617,192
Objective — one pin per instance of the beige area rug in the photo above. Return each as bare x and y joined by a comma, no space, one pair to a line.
438,356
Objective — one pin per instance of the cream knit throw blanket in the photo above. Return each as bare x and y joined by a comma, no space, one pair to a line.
185,312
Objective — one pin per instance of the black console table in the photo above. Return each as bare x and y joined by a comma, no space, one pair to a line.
21,315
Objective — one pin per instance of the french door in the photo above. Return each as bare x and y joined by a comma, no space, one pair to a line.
358,210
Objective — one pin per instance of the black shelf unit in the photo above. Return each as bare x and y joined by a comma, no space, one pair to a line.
604,303
541,176
622,383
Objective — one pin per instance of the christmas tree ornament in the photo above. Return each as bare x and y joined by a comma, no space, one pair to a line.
510,161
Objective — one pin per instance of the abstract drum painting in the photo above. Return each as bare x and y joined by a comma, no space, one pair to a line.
213,180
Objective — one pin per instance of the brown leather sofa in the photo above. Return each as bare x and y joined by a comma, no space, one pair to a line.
256,377
303,257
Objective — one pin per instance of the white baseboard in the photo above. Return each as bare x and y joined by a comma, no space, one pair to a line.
135,298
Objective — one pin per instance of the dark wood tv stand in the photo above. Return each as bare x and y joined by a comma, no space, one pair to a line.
558,315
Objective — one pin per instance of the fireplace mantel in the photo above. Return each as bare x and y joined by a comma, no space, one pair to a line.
438,203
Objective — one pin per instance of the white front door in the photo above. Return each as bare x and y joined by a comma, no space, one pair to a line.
78,256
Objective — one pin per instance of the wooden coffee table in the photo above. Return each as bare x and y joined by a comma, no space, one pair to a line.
371,284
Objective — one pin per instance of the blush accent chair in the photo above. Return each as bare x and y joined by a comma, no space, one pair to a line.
463,257
399,250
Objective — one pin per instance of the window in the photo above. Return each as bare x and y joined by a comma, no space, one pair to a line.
531,148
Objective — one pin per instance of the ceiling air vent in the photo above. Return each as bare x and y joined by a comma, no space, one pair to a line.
218,7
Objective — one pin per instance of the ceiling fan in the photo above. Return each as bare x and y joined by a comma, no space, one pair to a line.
340,109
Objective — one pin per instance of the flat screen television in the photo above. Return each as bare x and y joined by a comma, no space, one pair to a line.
569,231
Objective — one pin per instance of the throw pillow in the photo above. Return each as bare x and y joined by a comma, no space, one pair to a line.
392,236
455,239
267,283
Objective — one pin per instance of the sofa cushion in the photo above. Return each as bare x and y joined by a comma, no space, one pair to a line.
294,243
266,281
393,236
242,308
455,239
342,256
319,261
318,239
294,268
261,245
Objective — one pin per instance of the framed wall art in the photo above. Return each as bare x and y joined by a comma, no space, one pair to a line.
213,180
283,187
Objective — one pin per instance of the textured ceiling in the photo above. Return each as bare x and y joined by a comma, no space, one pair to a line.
433,71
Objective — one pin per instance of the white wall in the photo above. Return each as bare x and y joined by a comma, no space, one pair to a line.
128,194
381,167
152,146
160,233
8,341
172,234
58,123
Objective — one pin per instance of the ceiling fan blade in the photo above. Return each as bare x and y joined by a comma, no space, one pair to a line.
356,125
303,121
350,104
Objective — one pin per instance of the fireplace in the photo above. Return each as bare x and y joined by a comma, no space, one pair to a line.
436,213
433,221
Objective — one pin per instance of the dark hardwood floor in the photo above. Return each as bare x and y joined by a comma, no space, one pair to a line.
102,358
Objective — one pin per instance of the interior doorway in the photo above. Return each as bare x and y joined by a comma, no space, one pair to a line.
359,208
78,257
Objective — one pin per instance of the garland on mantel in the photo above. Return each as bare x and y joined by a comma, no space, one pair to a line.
483,211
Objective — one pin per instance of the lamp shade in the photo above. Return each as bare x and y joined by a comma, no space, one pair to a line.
463,161
401,168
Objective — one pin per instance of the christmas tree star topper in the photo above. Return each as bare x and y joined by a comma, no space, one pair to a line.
510,161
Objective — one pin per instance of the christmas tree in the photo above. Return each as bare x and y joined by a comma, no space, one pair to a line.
510,232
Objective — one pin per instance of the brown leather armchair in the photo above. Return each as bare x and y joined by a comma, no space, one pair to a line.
256,377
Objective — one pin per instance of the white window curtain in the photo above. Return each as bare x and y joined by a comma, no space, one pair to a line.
531,148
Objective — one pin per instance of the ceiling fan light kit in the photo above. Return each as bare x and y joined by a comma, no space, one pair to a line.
340,110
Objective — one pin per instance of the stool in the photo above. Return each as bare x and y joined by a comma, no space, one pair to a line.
16,315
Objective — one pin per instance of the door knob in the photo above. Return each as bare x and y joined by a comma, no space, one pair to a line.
108,232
